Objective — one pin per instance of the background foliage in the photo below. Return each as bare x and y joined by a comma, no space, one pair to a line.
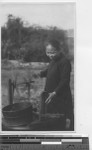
27,43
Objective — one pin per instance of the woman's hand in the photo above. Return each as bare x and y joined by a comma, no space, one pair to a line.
36,75
51,95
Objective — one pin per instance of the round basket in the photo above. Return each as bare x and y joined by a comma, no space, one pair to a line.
17,114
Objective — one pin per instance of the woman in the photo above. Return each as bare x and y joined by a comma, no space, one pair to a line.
57,84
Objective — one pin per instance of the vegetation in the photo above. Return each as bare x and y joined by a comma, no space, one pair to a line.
28,43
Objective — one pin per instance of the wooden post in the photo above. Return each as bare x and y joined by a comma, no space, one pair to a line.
43,107
10,92
28,91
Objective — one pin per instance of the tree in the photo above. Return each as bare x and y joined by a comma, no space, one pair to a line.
14,27
28,42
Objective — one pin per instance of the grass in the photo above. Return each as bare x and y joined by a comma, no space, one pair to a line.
23,75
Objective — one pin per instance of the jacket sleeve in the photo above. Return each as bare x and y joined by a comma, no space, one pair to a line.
43,73
64,71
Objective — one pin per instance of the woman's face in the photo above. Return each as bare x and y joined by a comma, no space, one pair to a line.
50,51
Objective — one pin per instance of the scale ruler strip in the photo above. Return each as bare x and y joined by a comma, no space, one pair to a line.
18,142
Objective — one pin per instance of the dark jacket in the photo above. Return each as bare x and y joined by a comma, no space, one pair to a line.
58,80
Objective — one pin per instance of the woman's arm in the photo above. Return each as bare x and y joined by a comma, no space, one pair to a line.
43,73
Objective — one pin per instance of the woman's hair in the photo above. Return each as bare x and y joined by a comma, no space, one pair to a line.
55,43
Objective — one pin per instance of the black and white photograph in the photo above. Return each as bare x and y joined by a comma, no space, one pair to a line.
37,66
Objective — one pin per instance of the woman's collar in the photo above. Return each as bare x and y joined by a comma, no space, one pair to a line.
57,56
